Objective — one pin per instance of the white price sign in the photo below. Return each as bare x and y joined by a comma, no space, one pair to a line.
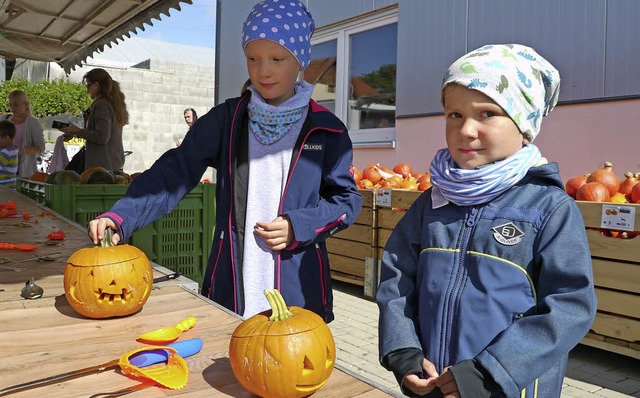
618,217
383,197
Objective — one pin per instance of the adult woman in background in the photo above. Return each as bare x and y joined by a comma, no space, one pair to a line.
103,125
29,135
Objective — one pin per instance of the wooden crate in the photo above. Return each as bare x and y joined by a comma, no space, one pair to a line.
616,273
351,253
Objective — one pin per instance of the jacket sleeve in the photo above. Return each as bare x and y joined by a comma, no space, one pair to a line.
397,294
102,116
340,202
159,189
36,135
566,305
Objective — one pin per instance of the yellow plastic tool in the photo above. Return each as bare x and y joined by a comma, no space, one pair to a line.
164,335
173,375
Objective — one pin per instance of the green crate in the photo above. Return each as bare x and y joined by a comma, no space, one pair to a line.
179,241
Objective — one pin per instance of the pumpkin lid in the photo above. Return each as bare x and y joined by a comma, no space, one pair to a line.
99,256
302,321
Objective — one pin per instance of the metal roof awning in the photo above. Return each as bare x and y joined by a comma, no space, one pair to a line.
68,31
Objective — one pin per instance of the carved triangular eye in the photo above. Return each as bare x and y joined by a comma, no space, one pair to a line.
307,363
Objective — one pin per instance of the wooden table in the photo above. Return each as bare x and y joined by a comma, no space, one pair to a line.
44,337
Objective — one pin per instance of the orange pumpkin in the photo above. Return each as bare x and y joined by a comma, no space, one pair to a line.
107,281
289,354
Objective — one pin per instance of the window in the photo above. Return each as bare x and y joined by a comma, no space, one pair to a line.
353,67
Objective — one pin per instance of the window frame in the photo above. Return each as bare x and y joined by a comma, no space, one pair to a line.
341,33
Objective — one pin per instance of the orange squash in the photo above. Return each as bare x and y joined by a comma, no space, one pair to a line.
107,281
282,353
607,177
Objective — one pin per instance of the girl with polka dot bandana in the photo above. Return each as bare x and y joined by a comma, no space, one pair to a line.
284,175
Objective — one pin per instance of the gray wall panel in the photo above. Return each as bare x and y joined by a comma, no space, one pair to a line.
568,33
623,48
431,35
329,11
232,69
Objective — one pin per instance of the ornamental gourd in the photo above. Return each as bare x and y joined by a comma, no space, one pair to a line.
108,281
289,354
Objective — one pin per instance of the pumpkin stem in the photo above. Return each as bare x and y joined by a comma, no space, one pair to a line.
106,239
279,310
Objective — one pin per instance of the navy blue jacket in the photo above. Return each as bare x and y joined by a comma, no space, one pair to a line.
507,284
320,199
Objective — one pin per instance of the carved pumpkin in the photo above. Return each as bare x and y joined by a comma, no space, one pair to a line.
288,354
108,281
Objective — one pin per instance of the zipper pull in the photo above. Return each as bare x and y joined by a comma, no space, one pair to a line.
471,218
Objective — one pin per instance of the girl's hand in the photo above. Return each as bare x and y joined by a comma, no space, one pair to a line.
447,384
276,234
419,385
97,227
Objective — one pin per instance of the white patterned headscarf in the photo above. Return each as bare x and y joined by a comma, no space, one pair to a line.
517,78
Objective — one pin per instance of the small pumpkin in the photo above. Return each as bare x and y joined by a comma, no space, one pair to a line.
607,177
101,177
88,172
66,177
289,354
107,281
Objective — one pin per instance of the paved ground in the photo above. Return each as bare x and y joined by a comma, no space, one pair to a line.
591,373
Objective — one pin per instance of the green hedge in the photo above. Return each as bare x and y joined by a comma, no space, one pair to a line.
56,97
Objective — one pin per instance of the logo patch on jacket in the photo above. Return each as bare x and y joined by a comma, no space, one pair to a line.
313,147
507,234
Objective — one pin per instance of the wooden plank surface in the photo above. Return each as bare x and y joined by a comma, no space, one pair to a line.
45,337
614,248
616,275
617,327
592,213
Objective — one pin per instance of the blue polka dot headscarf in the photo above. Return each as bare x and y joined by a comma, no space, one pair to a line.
286,22
516,77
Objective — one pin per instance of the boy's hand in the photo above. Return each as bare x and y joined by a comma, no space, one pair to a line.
419,385
276,234
97,227
447,384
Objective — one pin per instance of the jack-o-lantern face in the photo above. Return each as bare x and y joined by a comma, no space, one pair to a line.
282,358
104,282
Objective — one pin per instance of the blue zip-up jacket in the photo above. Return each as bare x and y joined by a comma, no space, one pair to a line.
320,199
507,284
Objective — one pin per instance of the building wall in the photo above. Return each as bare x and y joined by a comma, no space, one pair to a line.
579,137
156,99
594,44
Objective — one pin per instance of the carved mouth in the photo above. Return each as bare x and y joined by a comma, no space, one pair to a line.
123,296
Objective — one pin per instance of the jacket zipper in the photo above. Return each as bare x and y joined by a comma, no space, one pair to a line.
322,278
470,222
215,266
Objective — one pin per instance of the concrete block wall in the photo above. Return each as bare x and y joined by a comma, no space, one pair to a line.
156,99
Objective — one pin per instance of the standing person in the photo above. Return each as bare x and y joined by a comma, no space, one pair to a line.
486,282
8,154
190,116
283,187
103,124
29,135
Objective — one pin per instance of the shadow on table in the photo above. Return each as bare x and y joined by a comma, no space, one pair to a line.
220,377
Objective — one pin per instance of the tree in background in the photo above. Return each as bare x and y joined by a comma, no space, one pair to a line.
58,97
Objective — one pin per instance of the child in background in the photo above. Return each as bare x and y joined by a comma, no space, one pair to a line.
486,282
284,176
8,154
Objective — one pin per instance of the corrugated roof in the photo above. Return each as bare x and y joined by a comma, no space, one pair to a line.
133,51
69,31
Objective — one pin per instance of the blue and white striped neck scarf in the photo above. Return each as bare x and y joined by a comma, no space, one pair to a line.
471,187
